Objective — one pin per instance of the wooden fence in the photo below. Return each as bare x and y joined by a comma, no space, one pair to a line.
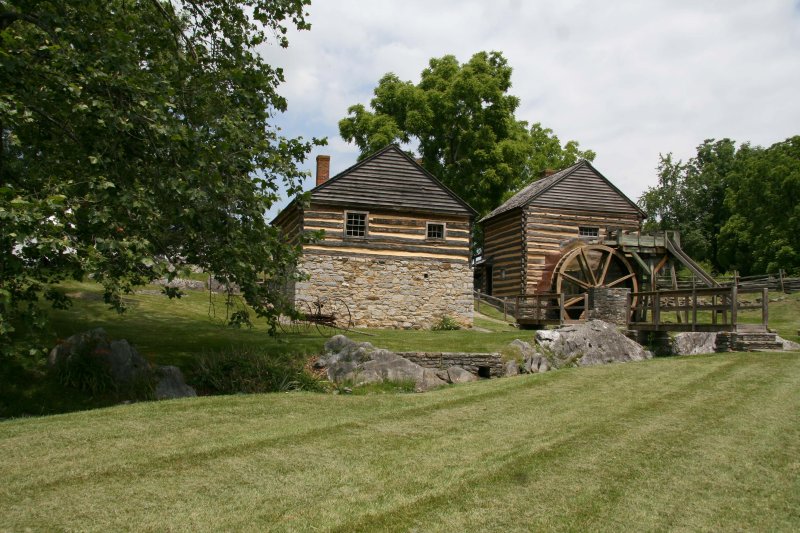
773,282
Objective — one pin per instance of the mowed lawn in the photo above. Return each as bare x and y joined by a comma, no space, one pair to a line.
691,443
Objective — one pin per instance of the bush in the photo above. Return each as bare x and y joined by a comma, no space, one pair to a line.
446,323
244,370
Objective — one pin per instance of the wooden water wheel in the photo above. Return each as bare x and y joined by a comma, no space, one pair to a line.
587,267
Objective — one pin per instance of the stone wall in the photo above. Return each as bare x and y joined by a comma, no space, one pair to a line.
468,361
609,305
391,292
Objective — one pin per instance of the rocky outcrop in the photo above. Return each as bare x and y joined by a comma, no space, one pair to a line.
788,346
694,343
128,371
590,343
361,363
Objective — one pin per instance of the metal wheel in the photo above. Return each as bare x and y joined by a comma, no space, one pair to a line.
588,267
332,316
299,323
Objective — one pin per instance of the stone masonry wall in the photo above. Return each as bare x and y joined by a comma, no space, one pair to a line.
468,361
391,292
610,305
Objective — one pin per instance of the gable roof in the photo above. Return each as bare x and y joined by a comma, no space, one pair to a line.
390,179
540,187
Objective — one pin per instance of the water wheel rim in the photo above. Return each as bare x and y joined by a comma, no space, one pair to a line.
593,277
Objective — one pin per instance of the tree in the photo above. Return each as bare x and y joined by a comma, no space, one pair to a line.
135,137
463,120
738,209
690,197
763,196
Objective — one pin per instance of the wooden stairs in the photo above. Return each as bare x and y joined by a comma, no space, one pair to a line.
748,338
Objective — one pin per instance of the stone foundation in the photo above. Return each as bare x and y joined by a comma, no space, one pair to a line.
609,305
472,362
388,292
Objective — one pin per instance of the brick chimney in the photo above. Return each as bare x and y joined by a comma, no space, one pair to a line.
323,169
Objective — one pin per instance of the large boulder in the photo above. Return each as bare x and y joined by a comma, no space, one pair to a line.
592,342
456,374
788,346
122,360
361,363
694,343
532,361
171,384
511,368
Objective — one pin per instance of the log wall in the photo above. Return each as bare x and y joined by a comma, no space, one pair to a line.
503,250
547,230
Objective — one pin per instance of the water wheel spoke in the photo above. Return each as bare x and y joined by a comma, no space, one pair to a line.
576,281
604,273
620,280
573,301
586,267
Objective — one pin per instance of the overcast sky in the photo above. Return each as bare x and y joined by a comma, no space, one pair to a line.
627,79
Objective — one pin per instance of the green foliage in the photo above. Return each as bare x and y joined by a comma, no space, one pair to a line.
134,138
463,119
446,323
736,209
248,370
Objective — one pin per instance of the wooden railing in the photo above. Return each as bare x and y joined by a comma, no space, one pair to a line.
696,309
550,308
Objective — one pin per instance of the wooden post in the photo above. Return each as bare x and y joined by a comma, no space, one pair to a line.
479,301
694,309
714,310
586,305
735,278
765,307
561,307
505,311
780,274
628,310
656,310
734,304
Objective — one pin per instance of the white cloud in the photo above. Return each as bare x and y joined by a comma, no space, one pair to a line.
627,79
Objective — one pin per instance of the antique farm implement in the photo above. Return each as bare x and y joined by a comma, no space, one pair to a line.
327,315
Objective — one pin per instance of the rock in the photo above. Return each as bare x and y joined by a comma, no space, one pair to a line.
171,384
443,375
124,362
788,346
694,343
362,363
456,374
533,361
511,368
589,343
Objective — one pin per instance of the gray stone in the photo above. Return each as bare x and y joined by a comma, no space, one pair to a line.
171,384
693,343
124,362
590,343
456,374
788,346
511,368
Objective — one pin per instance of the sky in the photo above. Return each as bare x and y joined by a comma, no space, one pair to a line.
627,79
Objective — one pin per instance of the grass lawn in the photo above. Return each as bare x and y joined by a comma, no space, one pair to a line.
688,443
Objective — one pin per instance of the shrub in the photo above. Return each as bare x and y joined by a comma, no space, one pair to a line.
87,371
244,370
446,323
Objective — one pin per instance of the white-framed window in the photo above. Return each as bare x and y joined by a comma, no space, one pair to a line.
587,231
355,224
435,231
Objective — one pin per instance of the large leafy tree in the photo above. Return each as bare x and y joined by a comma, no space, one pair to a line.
135,137
462,118
690,197
737,209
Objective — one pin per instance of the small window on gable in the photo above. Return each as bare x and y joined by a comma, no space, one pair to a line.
435,231
355,224
585,231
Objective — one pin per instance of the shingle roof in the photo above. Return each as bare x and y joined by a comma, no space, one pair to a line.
533,190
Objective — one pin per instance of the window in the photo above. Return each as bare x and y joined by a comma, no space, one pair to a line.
355,225
435,231
588,232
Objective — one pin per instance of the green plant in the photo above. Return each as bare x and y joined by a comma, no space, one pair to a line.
446,323
247,370
86,370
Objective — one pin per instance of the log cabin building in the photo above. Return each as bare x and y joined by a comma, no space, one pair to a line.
527,237
396,245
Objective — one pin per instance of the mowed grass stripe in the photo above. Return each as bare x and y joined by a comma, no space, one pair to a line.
588,448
